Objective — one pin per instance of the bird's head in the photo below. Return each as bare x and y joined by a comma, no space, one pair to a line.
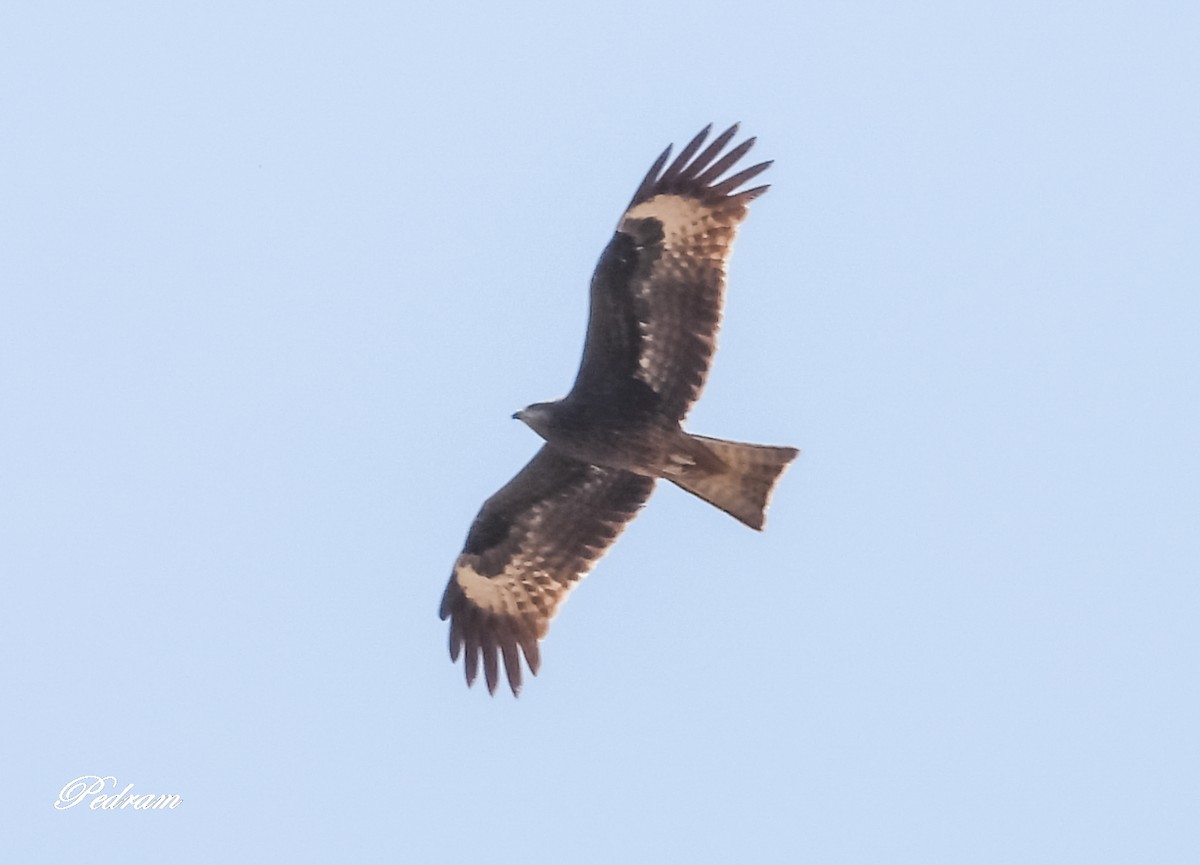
538,417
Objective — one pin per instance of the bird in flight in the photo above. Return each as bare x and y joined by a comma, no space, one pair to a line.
656,298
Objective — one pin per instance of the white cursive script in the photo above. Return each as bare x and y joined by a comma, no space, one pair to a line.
92,785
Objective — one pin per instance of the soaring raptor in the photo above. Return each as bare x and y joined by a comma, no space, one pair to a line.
656,300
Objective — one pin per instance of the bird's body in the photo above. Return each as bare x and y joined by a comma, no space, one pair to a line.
641,443
656,300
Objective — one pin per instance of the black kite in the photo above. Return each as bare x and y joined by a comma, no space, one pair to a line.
656,300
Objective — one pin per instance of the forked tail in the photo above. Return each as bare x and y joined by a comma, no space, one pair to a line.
739,481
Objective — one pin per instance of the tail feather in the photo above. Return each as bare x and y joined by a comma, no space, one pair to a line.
739,481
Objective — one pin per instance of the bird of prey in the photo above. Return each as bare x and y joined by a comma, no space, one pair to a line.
656,298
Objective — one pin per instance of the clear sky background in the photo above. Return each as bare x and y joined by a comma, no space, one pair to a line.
275,276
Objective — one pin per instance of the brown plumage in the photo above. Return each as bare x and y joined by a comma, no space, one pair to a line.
656,299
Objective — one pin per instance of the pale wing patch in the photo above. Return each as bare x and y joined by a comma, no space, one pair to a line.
684,220
494,594
524,590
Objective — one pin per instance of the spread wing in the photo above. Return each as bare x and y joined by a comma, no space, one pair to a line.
658,288
532,541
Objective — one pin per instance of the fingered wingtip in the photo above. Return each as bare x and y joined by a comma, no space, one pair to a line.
696,172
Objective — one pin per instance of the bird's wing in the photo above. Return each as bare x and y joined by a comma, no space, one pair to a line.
531,542
658,288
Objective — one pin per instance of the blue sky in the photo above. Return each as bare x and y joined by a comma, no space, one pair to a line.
275,276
